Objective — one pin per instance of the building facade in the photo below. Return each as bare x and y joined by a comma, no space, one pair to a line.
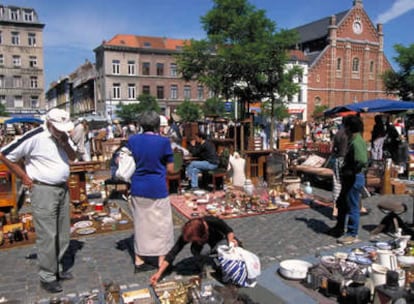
346,58
21,61
128,66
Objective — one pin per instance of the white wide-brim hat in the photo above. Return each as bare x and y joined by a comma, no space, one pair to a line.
60,119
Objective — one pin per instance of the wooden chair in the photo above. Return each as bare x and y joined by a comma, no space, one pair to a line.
178,167
218,176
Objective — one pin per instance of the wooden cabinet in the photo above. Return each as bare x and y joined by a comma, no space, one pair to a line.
77,178
8,188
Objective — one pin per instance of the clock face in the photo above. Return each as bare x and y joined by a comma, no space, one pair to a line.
357,27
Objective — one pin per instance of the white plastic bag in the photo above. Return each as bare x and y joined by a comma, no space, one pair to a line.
126,165
238,265
252,262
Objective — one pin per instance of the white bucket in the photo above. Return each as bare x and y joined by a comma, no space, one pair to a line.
379,273
387,258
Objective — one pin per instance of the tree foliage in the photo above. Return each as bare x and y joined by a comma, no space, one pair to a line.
319,109
3,111
402,81
243,55
214,107
130,112
189,111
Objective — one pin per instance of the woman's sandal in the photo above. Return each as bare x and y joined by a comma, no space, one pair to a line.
365,211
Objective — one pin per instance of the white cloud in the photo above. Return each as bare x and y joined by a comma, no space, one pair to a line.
399,8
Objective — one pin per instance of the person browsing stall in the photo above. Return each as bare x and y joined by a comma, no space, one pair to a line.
208,159
200,232
150,203
46,152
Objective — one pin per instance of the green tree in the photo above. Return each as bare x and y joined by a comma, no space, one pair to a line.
402,81
243,55
318,111
130,112
189,111
3,111
214,107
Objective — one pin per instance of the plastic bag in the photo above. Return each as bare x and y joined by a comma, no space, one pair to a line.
126,165
239,266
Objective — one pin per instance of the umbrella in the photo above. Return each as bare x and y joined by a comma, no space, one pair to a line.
373,106
23,120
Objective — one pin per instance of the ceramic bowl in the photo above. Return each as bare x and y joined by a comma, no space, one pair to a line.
294,269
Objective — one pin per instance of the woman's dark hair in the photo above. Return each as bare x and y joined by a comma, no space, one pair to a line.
195,231
202,135
149,121
354,124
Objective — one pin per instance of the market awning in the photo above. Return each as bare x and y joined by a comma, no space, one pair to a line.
23,120
295,111
373,106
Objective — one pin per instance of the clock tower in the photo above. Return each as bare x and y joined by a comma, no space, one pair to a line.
358,3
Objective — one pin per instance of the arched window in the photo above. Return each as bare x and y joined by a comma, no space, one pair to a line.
371,67
355,64
318,100
338,64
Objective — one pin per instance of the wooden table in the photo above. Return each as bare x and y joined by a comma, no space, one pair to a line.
77,178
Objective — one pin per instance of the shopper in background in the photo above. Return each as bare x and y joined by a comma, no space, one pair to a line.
208,159
46,152
80,136
150,203
353,181
339,148
377,139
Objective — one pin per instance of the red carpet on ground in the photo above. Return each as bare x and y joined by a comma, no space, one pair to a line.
188,206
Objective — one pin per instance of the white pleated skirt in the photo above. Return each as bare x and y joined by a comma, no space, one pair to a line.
153,226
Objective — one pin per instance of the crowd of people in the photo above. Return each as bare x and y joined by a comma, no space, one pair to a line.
41,159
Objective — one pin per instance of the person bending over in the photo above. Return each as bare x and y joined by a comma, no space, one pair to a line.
208,230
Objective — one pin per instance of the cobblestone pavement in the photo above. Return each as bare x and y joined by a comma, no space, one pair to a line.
273,237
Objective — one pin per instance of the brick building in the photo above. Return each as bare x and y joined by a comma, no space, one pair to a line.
346,58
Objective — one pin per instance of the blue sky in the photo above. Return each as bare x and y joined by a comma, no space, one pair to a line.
74,28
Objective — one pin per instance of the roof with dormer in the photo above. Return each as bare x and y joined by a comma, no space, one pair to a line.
133,41
318,29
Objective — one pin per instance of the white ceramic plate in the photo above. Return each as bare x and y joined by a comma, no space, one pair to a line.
83,224
383,245
202,201
84,231
199,192
363,260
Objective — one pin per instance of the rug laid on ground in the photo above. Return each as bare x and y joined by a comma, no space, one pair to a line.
236,204
83,224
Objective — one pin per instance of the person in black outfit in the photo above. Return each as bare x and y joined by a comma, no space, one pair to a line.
208,158
208,230
391,142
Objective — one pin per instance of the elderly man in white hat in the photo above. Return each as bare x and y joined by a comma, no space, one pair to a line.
46,152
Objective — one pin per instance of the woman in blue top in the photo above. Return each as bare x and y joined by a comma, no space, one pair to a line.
150,203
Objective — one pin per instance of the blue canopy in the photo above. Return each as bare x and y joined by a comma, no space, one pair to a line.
374,105
23,120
